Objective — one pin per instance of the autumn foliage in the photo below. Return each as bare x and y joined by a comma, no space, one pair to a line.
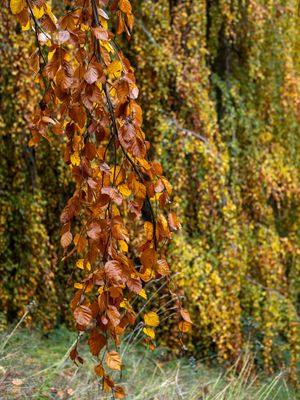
219,88
89,96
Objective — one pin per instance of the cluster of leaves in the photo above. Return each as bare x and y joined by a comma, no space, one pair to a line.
220,80
89,97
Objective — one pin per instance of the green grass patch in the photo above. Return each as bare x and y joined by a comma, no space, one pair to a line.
35,366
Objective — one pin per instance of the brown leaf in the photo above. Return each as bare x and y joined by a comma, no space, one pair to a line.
83,315
78,115
173,221
66,239
149,258
96,342
113,194
105,168
99,370
63,36
52,67
94,230
113,315
73,354
47,23
113,269
91,75
134,285
185,315
100,33
63,79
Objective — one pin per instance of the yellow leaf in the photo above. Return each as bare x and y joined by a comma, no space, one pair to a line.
115,69
124,190
78,285
50,54
167,185
149,332
118,173
81,263
104,23
38,12
148,228
101,289
143,294
27,26
17,6
49,12
144,163
75,159
123,246
125,304
113,92
107,46
147,275
151,319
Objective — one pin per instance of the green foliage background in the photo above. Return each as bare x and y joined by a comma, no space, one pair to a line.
220,89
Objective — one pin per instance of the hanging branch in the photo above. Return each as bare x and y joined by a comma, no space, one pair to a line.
109,223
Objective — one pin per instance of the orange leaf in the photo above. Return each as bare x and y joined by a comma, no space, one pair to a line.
148,228
125,6
184,326
113,360
119,392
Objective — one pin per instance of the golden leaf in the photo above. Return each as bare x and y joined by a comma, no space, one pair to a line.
78,285
115,68
75,159
149,332
38,12
143,294
82,263
151,319
148,228
17,6
123,246
125,6
124,190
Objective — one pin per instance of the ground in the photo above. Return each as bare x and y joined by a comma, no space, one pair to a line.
35,366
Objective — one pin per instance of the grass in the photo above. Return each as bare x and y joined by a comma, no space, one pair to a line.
35,367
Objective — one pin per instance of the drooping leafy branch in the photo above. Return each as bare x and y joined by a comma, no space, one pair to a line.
89,100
